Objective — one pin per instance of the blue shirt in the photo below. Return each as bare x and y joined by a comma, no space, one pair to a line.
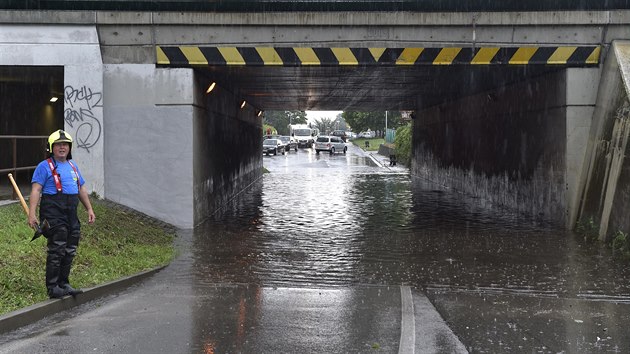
43,175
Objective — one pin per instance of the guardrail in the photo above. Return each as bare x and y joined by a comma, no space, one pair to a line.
14,169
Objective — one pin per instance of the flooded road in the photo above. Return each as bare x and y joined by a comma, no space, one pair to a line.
337,220
344,254
330,221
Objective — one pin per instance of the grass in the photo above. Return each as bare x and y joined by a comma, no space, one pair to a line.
621,244
374,143
589,229
119,244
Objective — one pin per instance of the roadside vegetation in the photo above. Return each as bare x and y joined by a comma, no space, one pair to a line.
269,129
279,121
120,243
402,143
374,143
619,242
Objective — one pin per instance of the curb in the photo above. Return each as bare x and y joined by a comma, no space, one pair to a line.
375,160
22,317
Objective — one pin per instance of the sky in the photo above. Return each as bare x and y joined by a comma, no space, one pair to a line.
312,115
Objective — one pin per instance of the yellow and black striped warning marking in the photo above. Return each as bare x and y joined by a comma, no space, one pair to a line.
307,56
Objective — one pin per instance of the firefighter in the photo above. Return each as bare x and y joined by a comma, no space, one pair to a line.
59,184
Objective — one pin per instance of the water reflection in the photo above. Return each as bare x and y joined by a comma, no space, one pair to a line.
332,227
335,222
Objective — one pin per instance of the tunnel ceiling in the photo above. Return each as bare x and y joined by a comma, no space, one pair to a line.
338,88
363,88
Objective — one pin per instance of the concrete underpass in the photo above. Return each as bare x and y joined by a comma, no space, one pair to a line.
504,103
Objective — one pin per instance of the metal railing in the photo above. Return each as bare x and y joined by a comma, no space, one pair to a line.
14,169
390,135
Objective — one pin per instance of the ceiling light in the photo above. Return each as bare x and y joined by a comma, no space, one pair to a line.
243,104
211,87
54,99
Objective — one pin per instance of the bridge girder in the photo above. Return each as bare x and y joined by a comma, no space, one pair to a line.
132,37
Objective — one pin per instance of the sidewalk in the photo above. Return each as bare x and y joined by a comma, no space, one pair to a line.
384,161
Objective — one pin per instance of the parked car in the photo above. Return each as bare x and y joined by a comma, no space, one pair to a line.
273,146
340,133
331,144
289,142
367,134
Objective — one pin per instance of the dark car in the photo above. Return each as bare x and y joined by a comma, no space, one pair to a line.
340,133
273,146
289,142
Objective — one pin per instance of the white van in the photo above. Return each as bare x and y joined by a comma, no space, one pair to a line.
331,144
303,134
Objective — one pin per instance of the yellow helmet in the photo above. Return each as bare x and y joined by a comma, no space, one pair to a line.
59,136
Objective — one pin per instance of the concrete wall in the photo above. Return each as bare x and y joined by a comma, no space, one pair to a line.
77,50
164,152
227,143
508,146
606,183
582,88
172,151
149,145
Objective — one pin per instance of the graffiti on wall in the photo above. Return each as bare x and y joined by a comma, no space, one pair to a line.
83,108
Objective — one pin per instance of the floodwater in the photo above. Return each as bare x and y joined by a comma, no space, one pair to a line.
342,220
503,282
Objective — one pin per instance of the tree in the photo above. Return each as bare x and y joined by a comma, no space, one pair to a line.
324,125
282,119
340,123
361,121
269,130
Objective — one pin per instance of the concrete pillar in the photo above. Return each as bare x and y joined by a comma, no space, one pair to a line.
582,86
83,115
149,144
605,182
173,151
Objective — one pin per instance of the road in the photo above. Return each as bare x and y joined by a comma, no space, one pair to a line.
345,254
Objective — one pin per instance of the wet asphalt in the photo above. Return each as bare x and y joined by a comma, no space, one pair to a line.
345,254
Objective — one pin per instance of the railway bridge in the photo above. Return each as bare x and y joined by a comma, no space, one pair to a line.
524,104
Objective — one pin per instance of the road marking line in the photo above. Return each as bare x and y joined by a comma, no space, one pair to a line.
407,322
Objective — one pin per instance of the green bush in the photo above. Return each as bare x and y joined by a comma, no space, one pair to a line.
620,244
588,228
403,144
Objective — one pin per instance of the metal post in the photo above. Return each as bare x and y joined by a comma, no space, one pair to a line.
14,144
385,126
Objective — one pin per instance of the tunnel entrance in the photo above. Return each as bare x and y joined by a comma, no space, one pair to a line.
32,99
506,124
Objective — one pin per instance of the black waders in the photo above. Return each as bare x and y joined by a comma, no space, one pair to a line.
63,239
